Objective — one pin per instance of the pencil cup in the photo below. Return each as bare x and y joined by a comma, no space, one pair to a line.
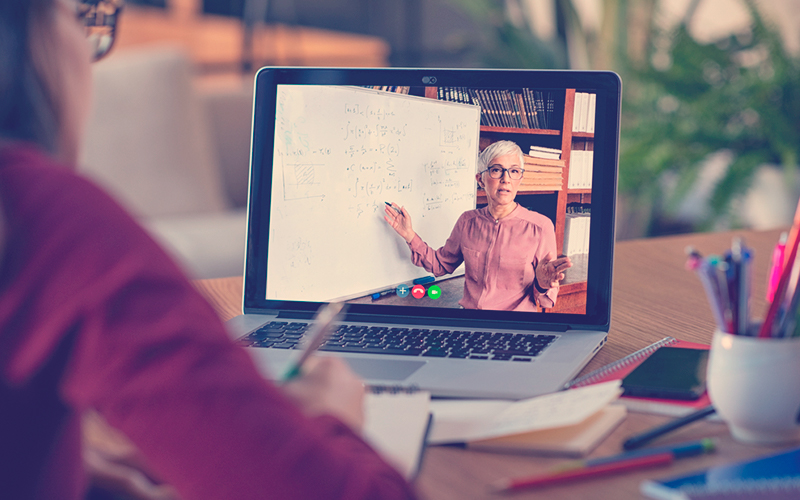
754,384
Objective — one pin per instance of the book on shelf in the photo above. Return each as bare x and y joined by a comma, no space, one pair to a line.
576,234
774,477
397,89
584,112
540,186
576,111
580,169
542,176
531,107
544,169
522,109
396,423
544,152
620,368
558,424
523,113
550,107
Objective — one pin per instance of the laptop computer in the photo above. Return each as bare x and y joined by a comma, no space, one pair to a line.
333,149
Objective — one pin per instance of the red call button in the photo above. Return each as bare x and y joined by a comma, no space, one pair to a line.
418,291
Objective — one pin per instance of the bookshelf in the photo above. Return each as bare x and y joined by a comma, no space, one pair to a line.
572,294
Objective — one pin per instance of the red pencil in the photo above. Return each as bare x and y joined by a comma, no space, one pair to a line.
586,472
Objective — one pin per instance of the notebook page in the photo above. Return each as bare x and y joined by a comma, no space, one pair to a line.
396,424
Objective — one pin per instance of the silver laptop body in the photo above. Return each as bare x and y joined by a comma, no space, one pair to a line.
330,146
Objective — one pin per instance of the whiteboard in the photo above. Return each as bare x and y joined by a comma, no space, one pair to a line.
340,153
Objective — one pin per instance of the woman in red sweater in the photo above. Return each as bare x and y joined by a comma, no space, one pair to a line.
93,314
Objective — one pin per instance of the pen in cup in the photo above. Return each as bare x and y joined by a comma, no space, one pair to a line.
778,255
727,283
316,336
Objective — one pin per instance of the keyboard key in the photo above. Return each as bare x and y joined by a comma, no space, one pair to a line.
284,345
270,329
500,352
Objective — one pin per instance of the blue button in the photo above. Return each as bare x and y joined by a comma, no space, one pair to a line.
403,290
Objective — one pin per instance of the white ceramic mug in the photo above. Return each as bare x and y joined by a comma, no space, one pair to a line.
754,384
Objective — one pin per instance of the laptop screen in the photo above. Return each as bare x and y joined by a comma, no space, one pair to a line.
436,194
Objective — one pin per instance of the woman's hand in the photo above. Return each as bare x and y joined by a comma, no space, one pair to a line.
115,466
329,387
121,479
551,270
400,220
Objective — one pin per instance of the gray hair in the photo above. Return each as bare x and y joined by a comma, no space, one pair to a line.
496,149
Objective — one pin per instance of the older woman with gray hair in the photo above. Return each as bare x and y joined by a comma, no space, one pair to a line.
509,251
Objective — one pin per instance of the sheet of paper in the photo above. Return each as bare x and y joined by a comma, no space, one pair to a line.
455,418
462,421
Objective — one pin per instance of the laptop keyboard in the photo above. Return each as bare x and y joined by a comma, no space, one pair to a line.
361,339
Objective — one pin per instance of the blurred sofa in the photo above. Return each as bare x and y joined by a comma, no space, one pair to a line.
175,153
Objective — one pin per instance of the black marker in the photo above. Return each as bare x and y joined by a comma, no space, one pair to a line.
647,436
394,207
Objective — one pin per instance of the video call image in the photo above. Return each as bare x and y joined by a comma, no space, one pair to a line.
432,197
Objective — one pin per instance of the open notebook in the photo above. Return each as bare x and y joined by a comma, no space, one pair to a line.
567,423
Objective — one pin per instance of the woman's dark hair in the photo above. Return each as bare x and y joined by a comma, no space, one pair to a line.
27,111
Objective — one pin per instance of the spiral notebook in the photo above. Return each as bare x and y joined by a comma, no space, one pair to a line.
775,477
620,368
396,424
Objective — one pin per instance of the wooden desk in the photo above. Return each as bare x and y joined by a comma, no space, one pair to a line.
653,297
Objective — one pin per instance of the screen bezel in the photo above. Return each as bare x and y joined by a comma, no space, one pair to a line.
606,85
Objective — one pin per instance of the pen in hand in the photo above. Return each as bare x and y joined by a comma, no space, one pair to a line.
316,336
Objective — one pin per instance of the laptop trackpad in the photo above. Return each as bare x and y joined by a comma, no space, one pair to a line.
383,369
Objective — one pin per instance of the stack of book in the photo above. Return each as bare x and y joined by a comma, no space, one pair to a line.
580,169
583,117
542,174
576,229
543,152
521,108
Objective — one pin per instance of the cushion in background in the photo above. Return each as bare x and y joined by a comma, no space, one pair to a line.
150,143
148,140
208,245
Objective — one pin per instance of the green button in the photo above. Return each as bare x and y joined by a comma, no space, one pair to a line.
434,292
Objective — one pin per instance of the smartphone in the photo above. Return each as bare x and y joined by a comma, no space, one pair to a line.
669,373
